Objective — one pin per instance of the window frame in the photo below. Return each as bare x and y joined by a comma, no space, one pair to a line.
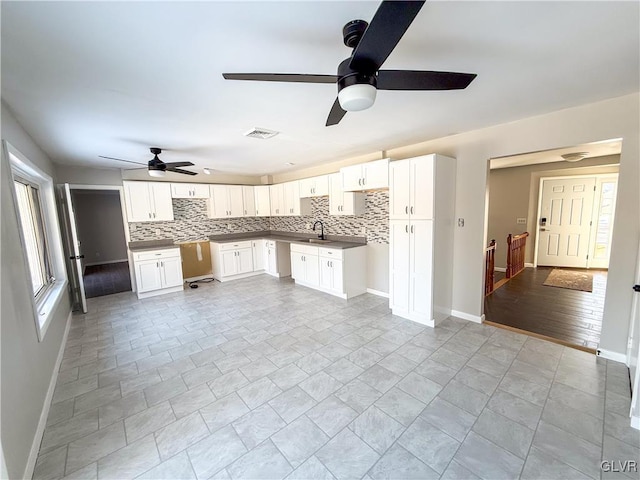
46,301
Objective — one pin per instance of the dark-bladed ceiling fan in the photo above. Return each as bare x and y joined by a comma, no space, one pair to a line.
156,167
359,76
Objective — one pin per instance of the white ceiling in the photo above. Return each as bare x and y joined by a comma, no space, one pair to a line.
114,78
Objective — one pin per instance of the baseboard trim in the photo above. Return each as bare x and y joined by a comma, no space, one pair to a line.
609,355
377,292
42,423
467,316
500,269
635,422
528,265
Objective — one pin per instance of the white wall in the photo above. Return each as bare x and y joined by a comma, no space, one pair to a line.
26,364
614,118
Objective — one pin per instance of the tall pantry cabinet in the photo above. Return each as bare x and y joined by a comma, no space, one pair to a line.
421,211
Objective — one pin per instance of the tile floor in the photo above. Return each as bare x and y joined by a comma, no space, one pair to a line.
263,379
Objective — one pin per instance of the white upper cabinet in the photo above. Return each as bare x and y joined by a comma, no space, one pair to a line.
344,203
148,201
189,190
293,205
262,200
366,176
249,201
314,186
225,201
411,188
277,200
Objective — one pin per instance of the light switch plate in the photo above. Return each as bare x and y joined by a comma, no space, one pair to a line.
521,221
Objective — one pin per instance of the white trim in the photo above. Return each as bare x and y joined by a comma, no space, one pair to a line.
122,260
528,265
635,422
4,473
377,292
467,316
500,269
37,440
610,355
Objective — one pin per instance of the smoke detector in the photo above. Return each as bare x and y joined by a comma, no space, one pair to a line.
262,133
574,157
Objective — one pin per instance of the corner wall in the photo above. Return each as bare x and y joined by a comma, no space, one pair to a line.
26,364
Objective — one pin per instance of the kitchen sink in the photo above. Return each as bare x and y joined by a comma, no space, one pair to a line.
315,240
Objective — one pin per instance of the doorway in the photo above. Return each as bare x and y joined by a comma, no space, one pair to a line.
96,241
567,210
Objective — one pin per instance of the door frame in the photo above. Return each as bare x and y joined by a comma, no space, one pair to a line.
127,235
597,176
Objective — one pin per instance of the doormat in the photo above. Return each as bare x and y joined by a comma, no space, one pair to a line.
570,279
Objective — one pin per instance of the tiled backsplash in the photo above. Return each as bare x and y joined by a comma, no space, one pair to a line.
191,222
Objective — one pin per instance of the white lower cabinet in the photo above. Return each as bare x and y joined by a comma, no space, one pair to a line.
157,272
258,249
276,258
339,272
232,260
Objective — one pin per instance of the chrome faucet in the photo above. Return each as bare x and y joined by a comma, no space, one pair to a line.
321,236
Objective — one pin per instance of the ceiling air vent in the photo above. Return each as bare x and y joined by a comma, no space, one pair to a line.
262,133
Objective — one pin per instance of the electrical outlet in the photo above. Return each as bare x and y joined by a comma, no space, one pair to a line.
521,221
461,222
363,231
158,232
307,226
229,226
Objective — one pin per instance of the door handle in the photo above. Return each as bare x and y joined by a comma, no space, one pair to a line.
636,288
76,257
543,229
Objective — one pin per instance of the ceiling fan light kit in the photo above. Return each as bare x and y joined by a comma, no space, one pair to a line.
359,76
156,173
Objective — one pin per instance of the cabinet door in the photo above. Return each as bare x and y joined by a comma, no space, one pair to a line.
249,201
263,202
271,261
200,190
182,190
399,196
421,188
337,281
399,259
312,269
292,198
229,262
218,202
138,201
277,200
148,276
326,273
171,272
245,260
306,187
297,266
236,201
352,178
257,247
321,186
336,195
162,205
421,252
376,174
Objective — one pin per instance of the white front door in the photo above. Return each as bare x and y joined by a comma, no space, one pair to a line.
564,224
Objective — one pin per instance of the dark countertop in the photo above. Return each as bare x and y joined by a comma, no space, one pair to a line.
152,245
336,241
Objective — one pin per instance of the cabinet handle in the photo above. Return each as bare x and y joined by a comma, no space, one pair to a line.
149,215
154,214
359,181
327,263
245,212
406,228
411,228
406,209
331,264
411,210
364,181
157,264
162,264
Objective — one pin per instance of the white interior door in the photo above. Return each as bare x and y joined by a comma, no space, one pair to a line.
74,256
565,216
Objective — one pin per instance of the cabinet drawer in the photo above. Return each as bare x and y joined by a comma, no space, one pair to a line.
235,245
308,249
156,254
331,253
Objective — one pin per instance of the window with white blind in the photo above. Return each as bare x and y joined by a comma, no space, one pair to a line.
39,232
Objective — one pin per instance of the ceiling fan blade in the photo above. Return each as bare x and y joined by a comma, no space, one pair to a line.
282,77
179,170
121,160
423,80
336,114
382,35
178,164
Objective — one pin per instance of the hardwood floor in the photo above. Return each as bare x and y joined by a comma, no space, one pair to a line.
568,315
106,279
